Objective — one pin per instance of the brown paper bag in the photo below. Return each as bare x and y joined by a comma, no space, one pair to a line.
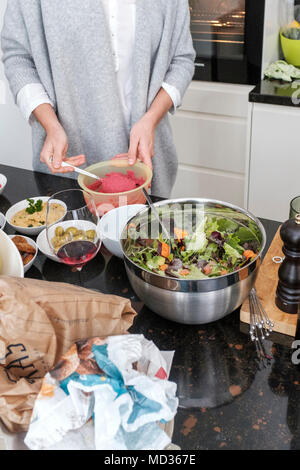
39,321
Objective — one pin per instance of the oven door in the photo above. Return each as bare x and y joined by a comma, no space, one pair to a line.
228,39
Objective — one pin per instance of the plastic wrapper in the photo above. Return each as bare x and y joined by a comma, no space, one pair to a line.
105,394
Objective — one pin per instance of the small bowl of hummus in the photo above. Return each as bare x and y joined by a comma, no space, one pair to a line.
29,216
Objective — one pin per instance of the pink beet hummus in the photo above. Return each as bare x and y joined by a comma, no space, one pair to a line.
117,183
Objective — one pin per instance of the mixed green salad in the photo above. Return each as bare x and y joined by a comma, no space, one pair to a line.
220,243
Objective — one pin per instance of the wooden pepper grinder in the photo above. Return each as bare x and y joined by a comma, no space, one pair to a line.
288,290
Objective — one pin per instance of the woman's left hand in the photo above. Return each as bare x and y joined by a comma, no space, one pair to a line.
142,142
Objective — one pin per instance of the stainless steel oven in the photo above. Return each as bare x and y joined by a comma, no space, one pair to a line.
228,39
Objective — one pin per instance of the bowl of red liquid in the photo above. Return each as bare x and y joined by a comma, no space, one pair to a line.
119,184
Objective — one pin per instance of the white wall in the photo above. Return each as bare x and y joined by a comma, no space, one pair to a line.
15,135
275,18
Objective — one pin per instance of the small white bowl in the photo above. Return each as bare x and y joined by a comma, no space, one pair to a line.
111,226
2,221
23,205
32,243
12,264
3,181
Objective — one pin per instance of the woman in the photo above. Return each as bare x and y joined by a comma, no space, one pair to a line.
98,77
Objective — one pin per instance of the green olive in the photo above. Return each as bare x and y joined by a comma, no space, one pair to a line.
79,237
59,232
56,242
81,233
72,231
91,234
65,238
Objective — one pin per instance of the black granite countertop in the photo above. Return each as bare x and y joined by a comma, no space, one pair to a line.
237,403
276,92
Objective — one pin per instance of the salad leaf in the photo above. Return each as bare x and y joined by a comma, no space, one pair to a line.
198,242
248,234
227,225
211,226
210,251
232,253
216,237
234,242
216,270
155,262
195,273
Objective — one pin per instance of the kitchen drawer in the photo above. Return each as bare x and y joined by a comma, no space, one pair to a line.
217,98
196,182
216,142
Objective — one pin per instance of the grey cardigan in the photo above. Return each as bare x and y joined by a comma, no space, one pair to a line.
65,45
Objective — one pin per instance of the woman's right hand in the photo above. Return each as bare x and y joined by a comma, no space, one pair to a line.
55,149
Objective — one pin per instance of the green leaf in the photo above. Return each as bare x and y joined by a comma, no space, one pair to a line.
155,262
198,242
226,225
234,242
34,207
211,226
210,250
195,273
232,253
248,234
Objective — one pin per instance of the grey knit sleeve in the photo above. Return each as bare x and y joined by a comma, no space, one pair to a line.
19,66
181,70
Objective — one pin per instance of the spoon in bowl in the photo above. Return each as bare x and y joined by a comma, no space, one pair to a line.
79,170
156,214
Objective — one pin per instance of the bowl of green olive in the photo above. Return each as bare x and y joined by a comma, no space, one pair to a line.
63,233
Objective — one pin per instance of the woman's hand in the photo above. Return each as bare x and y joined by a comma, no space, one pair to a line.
56,144
55,149
142,134
142,141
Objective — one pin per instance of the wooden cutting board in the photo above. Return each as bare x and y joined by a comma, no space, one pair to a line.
266,285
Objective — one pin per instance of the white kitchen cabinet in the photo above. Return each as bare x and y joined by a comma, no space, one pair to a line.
200,182
211,132
274,160
215,142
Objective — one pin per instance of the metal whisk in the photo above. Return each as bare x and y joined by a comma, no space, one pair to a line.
260,325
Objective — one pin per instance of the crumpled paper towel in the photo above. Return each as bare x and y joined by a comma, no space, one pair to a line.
105,394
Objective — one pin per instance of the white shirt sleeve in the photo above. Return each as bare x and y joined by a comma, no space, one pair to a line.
30,97
174,94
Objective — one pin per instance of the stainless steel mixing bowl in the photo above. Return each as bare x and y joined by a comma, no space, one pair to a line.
195,301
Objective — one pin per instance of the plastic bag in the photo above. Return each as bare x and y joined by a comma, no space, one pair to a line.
120,382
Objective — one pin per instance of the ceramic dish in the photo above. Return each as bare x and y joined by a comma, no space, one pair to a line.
3,181
111,226
42,240
32,243
2,221
31,231
11,261
108,201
